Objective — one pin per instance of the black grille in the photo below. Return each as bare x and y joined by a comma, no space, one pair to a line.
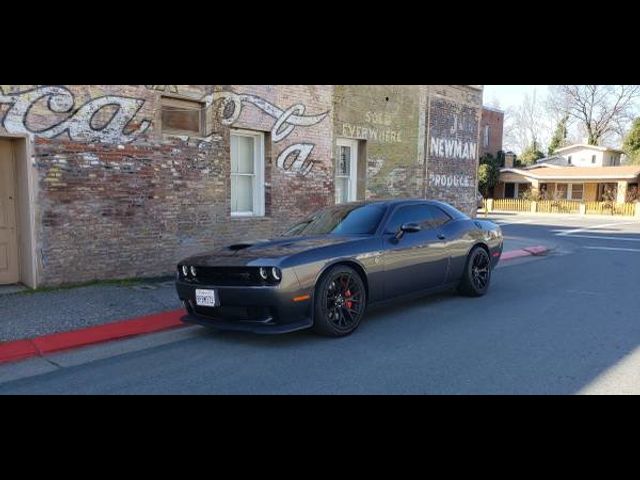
229,276
237,314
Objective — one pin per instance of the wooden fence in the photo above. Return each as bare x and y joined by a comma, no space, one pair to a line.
512,204
558,206
562,206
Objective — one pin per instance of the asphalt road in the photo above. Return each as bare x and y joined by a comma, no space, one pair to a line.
565,323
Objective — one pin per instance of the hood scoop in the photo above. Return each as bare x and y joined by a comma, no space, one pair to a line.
239,246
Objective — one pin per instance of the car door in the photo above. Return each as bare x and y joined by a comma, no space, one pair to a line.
416,261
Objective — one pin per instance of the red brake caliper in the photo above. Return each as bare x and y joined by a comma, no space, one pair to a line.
347,296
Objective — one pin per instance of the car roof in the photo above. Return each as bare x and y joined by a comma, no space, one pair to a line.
394,201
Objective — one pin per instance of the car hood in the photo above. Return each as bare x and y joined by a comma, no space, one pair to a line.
243,253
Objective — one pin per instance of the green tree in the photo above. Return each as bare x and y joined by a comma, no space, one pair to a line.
489,172
559,136
530,155
631,145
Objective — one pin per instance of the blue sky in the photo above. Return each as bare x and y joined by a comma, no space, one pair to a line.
511,95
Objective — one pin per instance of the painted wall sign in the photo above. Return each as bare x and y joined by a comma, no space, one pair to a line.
382,135
452,148
453,133
294,158
79,122
437,180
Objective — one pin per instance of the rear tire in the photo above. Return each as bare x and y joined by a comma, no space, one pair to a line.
477,273
340,301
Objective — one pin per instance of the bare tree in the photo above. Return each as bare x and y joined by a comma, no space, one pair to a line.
526,125
600,110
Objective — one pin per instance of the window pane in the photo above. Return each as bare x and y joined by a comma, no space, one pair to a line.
344,161
509,190
419,214
241,193
180,119
341,220
561,191
242,154
576,191
438,217
342,189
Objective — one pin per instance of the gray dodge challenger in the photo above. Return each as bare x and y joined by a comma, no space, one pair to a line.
324,271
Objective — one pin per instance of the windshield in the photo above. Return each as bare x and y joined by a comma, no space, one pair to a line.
340,220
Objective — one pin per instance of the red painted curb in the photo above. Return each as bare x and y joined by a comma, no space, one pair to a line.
21,349
524,252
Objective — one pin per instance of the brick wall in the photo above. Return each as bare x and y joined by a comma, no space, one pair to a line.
494,119
386,118
453,117
116,198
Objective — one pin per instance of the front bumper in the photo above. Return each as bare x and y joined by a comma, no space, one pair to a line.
495,249
258,309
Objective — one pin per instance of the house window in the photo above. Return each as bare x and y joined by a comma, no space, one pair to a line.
247,173
183,117
510,190
561,191
487,133
569,160
576,191
346,171
593,159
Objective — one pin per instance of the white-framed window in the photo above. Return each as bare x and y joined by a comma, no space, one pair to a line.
346,178
593,159
247,173
487,133
576,191
569,160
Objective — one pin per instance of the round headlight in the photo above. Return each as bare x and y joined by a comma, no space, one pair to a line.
263,273
276,274
193,270
185,271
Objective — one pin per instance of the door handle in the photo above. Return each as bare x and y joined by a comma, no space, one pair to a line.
441,236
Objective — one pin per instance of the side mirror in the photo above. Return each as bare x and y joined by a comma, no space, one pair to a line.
407,228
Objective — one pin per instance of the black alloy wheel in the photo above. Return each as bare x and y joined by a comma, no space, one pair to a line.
477,273
340,302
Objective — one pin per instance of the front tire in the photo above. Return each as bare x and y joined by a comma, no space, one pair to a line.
339,302
477,273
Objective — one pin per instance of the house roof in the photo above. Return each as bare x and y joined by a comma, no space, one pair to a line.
588,147
492,109
627,172
548,159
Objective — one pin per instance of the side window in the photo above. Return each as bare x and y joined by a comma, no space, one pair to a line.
419,214
438,216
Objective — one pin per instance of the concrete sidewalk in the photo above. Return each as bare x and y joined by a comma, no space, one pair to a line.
32,314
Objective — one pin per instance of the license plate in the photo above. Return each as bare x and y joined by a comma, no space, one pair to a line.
206,298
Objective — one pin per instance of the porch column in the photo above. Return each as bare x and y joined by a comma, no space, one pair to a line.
622,192
535,187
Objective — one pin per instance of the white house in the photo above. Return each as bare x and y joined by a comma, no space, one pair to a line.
581,155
